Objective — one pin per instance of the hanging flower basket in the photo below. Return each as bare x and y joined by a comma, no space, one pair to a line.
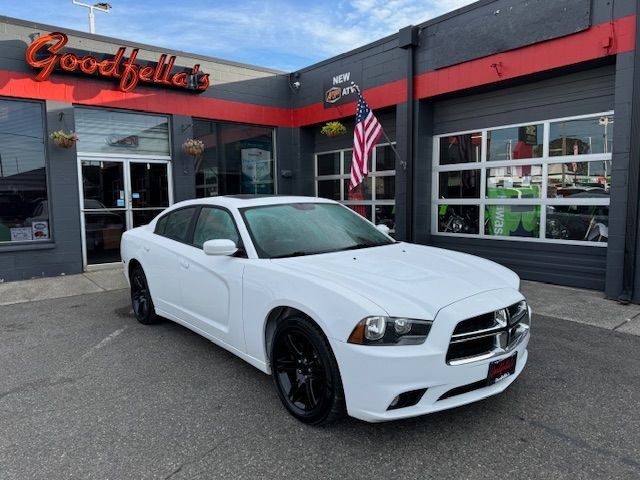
333,129
64,139
193,147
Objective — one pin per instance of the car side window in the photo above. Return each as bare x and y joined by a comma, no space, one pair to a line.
214,223
160,225
175,225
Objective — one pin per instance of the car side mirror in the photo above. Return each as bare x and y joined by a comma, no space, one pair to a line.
383,228
220,246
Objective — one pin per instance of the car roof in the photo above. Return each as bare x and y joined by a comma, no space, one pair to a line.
249,200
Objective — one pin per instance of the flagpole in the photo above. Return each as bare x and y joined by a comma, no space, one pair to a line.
403,164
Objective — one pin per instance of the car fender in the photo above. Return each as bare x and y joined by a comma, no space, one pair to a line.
267,287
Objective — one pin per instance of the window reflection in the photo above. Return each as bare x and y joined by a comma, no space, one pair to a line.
236,159
24,213
512,220
585,179
518,181
578,222
581,137
515,143
458,218
463,148
329,164
461,184
118,132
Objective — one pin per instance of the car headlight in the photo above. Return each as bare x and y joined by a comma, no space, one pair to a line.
379,330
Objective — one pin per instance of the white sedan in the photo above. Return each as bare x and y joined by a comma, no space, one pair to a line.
345,319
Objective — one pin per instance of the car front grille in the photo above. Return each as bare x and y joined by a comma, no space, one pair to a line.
488,335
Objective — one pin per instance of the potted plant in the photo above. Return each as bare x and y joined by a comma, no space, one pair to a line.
333,129
64,139
193,146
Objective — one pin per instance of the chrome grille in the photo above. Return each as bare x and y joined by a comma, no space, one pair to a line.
488,335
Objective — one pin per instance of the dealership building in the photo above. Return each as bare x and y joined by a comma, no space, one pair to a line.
511,132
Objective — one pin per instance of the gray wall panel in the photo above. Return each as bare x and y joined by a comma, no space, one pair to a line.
584,92
582,267
184,184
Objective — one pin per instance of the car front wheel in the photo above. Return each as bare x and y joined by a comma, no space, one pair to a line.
305,372
141,301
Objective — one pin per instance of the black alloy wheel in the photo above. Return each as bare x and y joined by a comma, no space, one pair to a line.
141,301
305,372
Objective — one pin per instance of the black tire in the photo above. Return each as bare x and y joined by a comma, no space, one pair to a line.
141,301
305,372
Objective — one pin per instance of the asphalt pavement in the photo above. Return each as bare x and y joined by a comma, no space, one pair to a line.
88,393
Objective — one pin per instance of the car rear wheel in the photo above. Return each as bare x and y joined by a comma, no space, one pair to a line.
141,301
305,372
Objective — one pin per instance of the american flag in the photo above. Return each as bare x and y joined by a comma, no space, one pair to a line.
365,136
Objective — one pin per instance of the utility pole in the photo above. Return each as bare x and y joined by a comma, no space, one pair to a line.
101,7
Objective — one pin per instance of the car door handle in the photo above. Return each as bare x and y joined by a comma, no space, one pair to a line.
146,248
184,264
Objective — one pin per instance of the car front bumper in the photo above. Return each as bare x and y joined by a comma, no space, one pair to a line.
373,376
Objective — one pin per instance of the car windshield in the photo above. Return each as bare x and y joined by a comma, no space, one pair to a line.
296,229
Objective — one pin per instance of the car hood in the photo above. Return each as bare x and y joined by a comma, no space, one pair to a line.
406,280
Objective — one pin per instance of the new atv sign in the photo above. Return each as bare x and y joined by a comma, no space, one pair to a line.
338,89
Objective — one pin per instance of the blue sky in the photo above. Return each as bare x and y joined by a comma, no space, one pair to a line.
280,34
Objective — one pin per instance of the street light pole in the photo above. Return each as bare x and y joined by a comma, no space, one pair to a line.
101,7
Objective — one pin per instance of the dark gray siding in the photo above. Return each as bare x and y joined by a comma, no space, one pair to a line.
574,266
580,93
585,92
386,117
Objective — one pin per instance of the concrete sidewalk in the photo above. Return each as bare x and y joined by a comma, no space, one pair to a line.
576,305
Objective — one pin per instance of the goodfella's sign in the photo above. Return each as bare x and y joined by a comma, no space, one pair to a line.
44,55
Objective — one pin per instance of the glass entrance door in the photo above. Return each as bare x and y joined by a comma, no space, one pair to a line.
149,191
119,194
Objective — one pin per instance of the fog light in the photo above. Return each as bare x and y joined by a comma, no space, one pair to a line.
374,328
407,399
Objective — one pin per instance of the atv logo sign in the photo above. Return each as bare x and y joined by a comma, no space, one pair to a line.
333,95
339,89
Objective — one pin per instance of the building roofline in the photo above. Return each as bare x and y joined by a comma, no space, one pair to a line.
132,44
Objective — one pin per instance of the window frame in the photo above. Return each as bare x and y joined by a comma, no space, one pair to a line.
483,165
374,174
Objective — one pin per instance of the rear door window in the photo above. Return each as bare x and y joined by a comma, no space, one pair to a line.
175,225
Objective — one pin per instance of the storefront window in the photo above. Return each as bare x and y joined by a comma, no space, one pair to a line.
124,133
24,206
460,184
458,219
521,181
549,199
582,136
462,148
512,220
515,143
237,159
374,198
